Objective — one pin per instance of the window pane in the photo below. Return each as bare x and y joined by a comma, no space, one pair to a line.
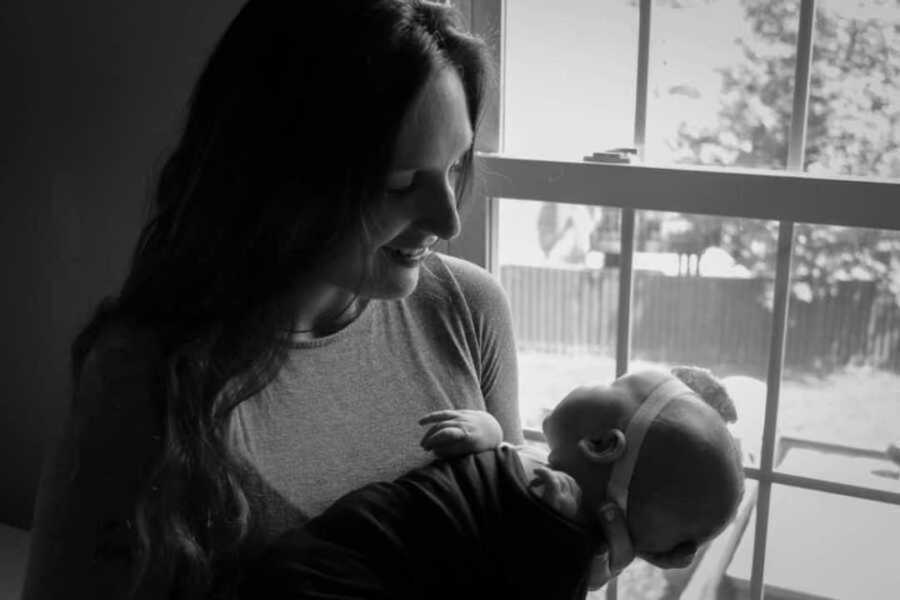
570,77
822,546
702,296
704,578
841,393
640,581
854,110
721,81
564,300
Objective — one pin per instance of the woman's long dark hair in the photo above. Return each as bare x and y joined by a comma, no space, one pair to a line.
287,140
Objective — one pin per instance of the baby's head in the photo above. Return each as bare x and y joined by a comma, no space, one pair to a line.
657,466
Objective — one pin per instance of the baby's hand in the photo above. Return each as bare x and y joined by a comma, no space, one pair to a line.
459,432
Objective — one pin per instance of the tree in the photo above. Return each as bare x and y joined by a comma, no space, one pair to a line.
853,129
854,108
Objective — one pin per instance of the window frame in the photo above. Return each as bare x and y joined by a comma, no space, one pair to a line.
787,197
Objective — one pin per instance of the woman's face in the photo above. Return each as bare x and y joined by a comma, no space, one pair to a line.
418,206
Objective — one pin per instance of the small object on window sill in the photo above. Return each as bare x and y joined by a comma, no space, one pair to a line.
614,156
893,452
624,150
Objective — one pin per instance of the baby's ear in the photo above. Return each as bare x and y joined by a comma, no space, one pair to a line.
709,388
606,447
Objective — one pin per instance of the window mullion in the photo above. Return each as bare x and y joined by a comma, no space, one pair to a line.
773,389
477,241
825,485
628,215
797,142
626,291
643,74
489,23
796,155
623,321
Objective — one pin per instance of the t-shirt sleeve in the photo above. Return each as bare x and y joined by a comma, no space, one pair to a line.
83,527
498,364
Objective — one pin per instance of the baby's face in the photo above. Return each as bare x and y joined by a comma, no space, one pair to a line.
694,429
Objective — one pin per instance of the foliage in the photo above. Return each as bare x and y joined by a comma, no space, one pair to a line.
853,129
854,106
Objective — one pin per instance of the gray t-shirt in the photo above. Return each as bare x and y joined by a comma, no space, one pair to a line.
343,411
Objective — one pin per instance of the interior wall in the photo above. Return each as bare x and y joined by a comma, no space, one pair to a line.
93,96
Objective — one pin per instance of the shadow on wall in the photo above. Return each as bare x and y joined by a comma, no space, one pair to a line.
94,94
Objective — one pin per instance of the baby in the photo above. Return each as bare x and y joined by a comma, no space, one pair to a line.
642,467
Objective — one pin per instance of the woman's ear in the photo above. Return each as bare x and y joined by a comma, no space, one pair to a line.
604,448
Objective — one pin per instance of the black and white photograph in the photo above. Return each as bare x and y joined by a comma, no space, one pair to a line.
450,299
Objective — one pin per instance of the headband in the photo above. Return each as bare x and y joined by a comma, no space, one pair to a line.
620,551
643,417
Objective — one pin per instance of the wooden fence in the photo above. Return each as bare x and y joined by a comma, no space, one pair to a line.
716,322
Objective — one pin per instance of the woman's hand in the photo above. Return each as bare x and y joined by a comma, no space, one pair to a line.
459,432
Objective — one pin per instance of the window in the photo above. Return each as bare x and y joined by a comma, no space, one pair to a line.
559,103
762,209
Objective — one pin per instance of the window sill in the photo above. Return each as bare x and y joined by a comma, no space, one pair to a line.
775,195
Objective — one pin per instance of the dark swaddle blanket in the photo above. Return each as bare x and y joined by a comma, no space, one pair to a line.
463,528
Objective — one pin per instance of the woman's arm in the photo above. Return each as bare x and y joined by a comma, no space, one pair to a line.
499,362
491,343
81,541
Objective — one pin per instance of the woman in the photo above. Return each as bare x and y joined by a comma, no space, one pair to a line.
284,322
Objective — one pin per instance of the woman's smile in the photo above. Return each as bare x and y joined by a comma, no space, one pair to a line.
410,254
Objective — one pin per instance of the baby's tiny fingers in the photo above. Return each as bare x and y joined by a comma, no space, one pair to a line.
434,429
443,437
443,425
438,416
